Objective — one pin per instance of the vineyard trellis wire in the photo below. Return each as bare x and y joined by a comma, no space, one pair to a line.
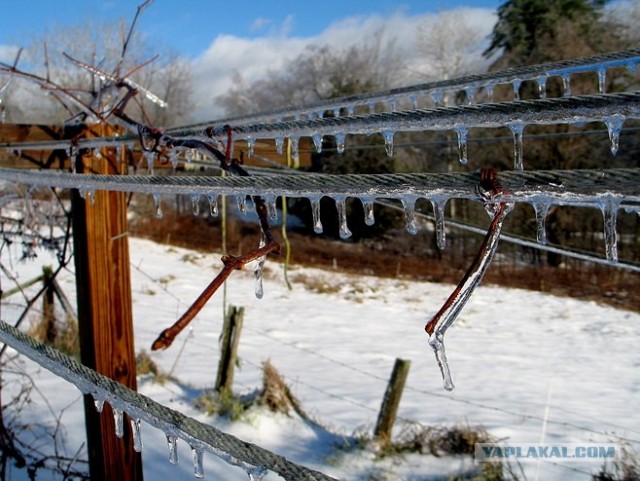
608,190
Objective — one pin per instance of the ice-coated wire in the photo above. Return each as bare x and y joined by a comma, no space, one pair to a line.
589,187
595,63
199,435
566,110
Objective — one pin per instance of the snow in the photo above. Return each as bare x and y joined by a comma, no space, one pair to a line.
335,337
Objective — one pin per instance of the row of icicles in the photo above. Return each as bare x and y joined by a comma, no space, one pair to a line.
254,473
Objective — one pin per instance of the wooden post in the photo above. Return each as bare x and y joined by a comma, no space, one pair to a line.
391,401
104,309
230,338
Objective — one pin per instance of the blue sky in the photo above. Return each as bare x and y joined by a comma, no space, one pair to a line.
190,26
234,41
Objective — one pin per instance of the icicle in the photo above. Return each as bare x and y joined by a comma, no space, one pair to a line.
631,67
320,114
137,439
172,443
341,205
189,155
437,97
541,209
257,473
99,404
372,108
516,83
602,80
258,270
198,468
317,142
609,209
270,201
173,157
393,105
336,112
542,87
295,156
195,204
340,138
388,142
614,126
213,205
367,205
471,95
414,101
489,88
350,110
462,133
118,419
437,344
157,201
242,204
279,145
517,128
315,213
149,157
566,85
439,204
250,146
409,204
91,195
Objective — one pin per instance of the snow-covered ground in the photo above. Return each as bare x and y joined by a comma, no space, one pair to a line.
517,358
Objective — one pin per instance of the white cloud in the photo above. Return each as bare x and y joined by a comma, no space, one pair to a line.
229,55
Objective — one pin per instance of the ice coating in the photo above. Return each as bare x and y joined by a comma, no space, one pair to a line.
517,128
439,204
195,204
409,205
213,205
157,202
118,420
448,313
541,210
462,133
614,127
258,271
341,206
198,466
367,206
137,438
388,142
609,209
172,445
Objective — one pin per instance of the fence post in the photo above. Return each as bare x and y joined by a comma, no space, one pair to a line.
105,320
230,338
391,401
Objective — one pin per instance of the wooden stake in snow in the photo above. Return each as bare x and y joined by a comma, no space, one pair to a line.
230,338
391,401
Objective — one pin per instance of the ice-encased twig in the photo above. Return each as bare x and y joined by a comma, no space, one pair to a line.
448,313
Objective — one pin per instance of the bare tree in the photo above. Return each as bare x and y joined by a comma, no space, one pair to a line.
319,72
168,75
451,45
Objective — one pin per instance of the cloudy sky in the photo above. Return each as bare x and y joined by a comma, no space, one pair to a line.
246,37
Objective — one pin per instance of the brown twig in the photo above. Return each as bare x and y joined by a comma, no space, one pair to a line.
231,263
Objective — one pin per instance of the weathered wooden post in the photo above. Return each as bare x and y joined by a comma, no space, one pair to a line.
391,401
104,309
230,338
